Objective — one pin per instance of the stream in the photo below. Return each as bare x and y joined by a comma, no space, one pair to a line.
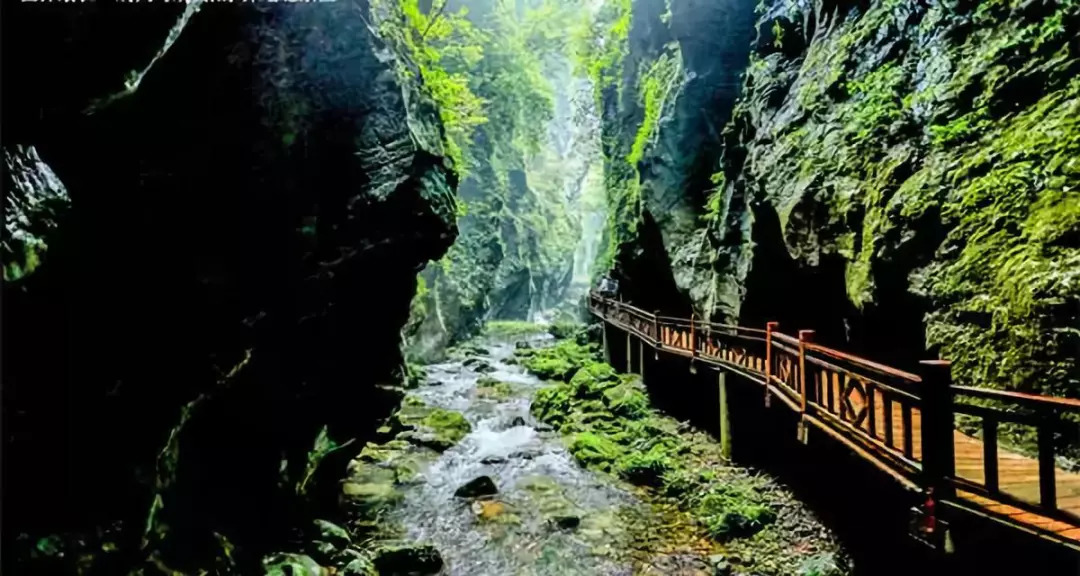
550,516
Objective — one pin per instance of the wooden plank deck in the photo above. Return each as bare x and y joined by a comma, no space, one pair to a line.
1018,475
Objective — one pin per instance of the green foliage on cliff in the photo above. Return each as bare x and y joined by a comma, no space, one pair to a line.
657,82
518,236
937,144
601,44
443,46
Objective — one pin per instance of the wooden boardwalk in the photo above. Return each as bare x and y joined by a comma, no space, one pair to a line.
879,412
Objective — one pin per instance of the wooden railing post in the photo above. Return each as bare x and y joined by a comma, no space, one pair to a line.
693,350
938,448
804,391
658,340
769,328
693,345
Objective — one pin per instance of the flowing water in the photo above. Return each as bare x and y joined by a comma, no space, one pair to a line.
530,526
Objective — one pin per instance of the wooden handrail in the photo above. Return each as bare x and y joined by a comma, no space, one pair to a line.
1034,401
819,383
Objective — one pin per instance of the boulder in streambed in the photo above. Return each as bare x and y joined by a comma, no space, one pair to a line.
360,566
478,364
291,565
477,487
566,521
407,559
438,429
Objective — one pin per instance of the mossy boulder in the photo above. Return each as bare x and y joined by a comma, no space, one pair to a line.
558,362
646,468
592,449
552,404
627,400
731,512
415,375
370,491
292,565
569,331
438,429
489,387
592,379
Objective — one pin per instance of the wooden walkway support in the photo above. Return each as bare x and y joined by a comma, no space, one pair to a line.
904,424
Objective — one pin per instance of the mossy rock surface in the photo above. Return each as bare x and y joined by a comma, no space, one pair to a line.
610,425
292,565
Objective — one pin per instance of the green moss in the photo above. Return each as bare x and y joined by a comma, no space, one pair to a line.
733,511
552,405
651,468
611,427
558,362
592,379
448,424
657,84
511,328
933,151
627,400
567,331
492,388
594,450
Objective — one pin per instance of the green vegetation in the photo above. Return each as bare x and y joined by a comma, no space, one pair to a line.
947,167
558,362
657,83
609,425
602,44
502,66
488,387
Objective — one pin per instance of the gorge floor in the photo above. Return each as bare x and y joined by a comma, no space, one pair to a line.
545,514
550,515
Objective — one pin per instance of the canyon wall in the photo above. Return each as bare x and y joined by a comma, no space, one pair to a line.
239,200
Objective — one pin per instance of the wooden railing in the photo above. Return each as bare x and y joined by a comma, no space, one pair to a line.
901,422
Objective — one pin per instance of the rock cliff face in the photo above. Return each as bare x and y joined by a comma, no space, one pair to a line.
515,255
899,176
665,103
248,214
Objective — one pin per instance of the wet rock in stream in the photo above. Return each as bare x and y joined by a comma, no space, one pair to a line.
477,487
407,560
566,521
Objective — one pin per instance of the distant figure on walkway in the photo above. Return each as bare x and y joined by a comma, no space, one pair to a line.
608,287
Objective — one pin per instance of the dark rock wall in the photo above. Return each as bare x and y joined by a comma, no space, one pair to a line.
237,261
679,82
